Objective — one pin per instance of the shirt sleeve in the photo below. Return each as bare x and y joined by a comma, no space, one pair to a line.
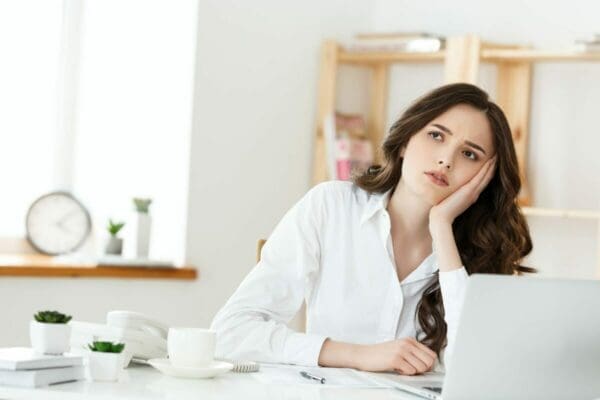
453,285
252,324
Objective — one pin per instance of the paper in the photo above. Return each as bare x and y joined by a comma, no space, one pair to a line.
334,377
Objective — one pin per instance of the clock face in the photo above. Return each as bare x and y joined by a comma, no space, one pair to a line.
57,223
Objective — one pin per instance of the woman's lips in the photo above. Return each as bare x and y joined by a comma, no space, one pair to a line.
435,179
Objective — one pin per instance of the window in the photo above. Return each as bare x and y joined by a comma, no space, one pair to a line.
118,109
30,33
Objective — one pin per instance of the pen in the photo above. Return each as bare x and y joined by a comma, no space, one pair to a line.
311,376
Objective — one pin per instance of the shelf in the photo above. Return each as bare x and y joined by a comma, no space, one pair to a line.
487,55
33,265
388,57
461,61
561,213
503,55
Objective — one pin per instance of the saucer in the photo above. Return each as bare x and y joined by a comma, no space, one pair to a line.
207,371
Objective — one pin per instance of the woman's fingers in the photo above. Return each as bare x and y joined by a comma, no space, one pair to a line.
405,368
420,365
488,175
423,353
425,358
483,177
483,172
422,347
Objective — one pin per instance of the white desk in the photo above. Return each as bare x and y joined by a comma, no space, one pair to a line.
144,382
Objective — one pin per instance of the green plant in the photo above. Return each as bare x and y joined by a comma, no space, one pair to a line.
106,347
51,317
142,205
114,227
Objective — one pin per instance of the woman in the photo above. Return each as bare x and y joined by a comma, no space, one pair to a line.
382,262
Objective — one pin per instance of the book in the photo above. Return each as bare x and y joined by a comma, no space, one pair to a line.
591,44
421,45
25,358
394,35
41,377
400,42
592,47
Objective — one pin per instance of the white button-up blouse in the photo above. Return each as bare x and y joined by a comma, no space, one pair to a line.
333,249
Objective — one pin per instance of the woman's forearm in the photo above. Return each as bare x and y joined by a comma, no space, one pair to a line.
340,354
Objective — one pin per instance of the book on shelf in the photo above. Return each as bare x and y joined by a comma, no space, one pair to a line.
33,378
394,35
591,44
419,42
25,358
348,149
587,47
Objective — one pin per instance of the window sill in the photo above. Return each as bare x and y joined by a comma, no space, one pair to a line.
35,265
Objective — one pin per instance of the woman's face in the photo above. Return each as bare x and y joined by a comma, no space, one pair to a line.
447,153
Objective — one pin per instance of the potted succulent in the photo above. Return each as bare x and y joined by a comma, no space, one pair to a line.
50,333
114,244
106,360
143,222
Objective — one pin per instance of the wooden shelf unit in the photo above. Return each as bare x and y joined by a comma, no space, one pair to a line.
461,58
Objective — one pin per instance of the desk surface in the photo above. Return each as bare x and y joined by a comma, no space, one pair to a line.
144,382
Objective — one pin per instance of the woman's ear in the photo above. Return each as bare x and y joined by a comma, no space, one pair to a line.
402,151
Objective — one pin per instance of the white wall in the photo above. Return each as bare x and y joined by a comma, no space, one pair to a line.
253,127
254,107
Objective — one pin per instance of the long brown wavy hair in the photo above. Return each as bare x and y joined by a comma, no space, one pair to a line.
492,234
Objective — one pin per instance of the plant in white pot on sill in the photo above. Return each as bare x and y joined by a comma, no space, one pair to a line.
115,244
106,360
143,223
50,333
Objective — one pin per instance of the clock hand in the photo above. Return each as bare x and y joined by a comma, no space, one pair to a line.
63,228
66,216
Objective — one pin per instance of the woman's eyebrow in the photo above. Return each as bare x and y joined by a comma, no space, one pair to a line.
468,142
473,145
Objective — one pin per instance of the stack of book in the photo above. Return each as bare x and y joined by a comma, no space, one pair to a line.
588,45
420,42
21,366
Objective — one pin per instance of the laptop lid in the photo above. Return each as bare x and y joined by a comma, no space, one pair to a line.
526,338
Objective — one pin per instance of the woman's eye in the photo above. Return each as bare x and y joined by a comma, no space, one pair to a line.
470,155
435,135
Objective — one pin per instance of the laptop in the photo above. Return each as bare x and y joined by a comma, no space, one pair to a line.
520,338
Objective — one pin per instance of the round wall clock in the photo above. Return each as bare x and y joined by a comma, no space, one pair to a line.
57,223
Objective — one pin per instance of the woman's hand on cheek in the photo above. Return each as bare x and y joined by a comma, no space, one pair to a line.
452,206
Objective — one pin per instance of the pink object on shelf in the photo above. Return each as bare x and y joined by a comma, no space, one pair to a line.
352,155
342,161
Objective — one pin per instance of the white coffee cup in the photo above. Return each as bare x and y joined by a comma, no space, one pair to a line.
191,347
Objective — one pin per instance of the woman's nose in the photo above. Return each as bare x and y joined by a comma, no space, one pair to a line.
446,163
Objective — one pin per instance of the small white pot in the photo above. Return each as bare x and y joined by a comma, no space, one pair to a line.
105,366
49,338
114,245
